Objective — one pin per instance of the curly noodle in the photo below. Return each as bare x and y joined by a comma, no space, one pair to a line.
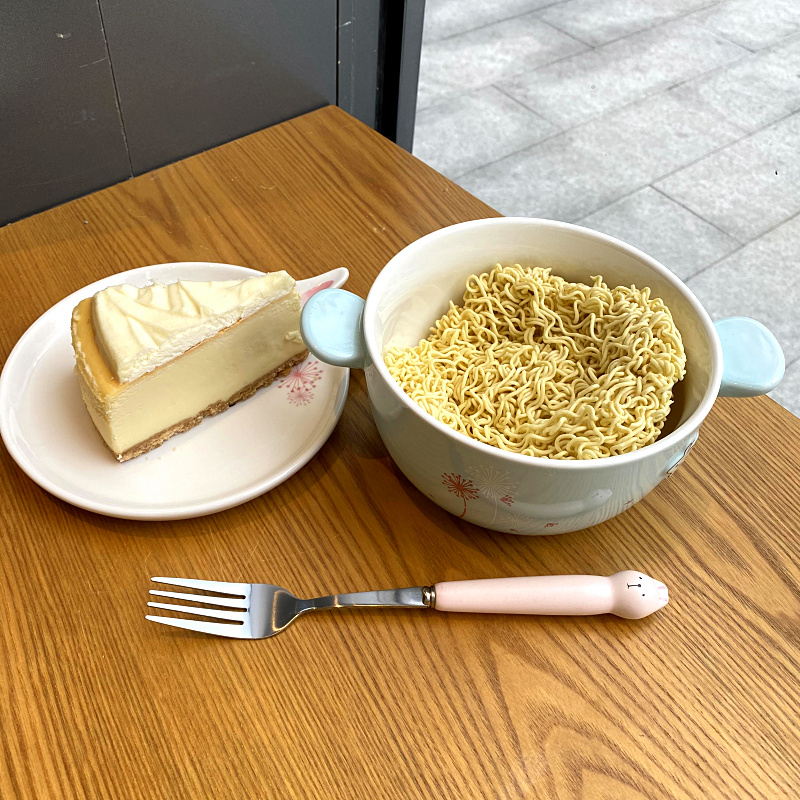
536,365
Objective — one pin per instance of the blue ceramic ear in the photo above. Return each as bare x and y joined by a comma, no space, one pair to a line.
331,324
752,359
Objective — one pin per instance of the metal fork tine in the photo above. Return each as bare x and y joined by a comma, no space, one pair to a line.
229,602
215,613
214,628
208,586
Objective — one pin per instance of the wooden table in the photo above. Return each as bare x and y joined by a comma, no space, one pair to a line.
698,701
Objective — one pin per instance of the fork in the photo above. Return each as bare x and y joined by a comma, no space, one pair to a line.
258,610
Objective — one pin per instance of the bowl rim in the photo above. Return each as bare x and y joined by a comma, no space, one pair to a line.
659,446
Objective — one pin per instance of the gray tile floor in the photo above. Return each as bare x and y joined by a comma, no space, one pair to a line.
671,124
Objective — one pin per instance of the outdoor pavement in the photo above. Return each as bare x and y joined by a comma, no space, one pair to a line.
673,125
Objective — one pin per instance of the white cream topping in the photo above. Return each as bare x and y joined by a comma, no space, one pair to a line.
139,329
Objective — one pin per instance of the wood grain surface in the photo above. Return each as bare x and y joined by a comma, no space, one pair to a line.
700,700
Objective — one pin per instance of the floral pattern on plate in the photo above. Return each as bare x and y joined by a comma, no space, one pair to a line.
301,381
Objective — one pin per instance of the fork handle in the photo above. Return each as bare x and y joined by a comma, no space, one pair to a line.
412,597
628,594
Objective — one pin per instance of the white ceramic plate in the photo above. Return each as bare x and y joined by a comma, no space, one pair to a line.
223,462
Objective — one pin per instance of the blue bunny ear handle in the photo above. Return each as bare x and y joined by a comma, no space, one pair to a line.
332,327
752,359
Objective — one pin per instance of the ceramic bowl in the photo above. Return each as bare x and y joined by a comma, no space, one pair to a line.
507,491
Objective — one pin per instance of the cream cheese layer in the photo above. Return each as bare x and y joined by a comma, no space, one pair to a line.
127,414
140,329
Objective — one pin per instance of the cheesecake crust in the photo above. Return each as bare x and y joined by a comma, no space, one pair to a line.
215,408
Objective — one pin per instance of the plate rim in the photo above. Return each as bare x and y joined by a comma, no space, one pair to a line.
143,513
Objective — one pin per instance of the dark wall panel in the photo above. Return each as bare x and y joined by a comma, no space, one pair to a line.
60,130
408,76
359,58
191,74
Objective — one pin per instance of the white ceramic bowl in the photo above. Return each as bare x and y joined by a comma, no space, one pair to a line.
507,491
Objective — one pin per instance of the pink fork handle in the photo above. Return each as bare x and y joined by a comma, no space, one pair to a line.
627,594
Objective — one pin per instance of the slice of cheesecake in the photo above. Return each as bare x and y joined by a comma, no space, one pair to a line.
153,361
